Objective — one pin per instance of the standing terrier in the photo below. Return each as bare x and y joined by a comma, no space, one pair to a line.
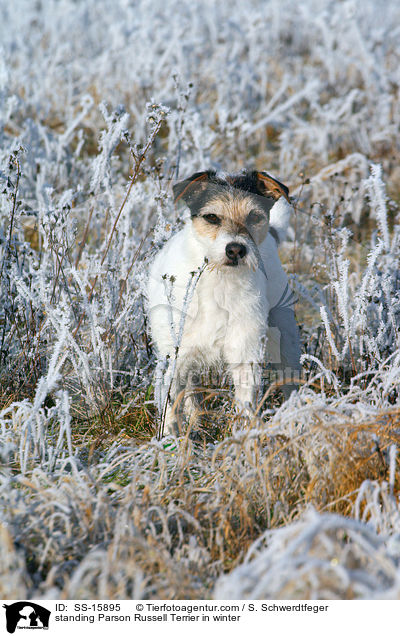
218,295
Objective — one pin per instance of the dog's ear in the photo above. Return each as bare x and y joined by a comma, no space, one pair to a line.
270,187
191,189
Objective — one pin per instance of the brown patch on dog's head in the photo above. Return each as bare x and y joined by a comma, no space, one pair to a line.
238,204
234,212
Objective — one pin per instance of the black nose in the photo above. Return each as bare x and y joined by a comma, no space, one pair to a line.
235,251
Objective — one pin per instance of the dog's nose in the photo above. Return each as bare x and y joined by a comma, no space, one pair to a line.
235,251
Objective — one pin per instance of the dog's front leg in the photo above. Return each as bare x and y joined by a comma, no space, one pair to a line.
246,378
164,388
187,391
176,396
169,395
243,353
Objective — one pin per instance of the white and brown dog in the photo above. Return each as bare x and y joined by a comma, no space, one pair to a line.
217,292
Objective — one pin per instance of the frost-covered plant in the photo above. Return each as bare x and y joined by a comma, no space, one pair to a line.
321,556
360,309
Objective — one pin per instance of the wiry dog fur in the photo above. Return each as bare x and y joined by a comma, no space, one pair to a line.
217,292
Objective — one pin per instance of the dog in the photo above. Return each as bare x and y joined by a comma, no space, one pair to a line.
218,296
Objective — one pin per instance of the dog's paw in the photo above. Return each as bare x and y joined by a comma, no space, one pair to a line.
244,409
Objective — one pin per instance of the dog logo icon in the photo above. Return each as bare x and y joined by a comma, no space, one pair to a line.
26,615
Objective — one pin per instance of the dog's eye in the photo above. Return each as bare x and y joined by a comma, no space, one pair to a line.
212,218
255,217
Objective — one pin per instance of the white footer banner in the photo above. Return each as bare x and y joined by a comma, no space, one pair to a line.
153,617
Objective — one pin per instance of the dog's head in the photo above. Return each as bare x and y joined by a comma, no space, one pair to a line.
230,215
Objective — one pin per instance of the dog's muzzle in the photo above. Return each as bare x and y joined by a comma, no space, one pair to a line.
235,251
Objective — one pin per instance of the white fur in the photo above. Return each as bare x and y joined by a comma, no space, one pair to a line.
221,319
279,217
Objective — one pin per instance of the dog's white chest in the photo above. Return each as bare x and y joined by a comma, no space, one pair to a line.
225,308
